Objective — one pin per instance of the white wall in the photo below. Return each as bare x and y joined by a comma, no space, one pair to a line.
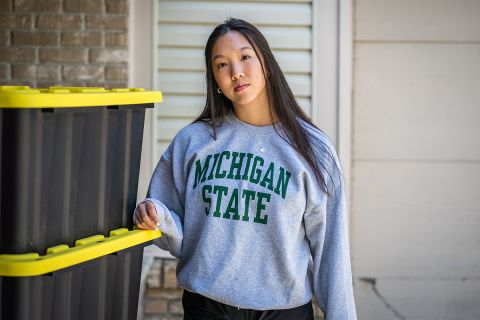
416,159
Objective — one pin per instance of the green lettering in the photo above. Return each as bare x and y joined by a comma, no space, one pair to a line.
248,195
247,166
215,158
234,165
200,173
207,199
220,192
218,174
256,171
282,182
268,177
260,206
232,206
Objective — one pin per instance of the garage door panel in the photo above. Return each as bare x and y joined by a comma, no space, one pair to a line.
196,36
213,12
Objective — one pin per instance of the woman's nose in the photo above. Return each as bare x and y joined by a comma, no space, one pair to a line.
237,72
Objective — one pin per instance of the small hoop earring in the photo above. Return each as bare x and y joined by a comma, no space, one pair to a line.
219,90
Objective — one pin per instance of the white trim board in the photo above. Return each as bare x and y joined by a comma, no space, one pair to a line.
332,74
345,91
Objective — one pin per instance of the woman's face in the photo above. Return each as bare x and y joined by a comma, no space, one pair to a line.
237,70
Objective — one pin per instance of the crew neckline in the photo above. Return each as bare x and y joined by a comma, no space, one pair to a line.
234,120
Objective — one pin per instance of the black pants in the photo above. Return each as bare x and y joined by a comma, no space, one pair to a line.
198,307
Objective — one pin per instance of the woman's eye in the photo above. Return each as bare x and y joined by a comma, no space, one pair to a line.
221,65
246,57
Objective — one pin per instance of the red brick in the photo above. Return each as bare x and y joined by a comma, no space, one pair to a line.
175,307
63,55
23,71
48,72
15,21
165,317
18,82
6,6
82,38
59,21
167,294
4,38
4,71
64,83
106,22
83,6
117,6
97,84
154,306
116,73
169,274
152,292
115,84
37,5
47,84
116,39
36,38
109,55
154,317
18,54
154,276
83,73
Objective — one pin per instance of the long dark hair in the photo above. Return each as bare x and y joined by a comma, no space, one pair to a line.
280,98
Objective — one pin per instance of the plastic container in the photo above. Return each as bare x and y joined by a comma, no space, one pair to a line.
69,170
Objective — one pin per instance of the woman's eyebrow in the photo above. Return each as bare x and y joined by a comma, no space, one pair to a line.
221,56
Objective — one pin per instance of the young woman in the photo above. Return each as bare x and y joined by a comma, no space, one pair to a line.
250,196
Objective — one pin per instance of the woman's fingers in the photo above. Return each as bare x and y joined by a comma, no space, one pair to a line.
152,212
146,216
138,219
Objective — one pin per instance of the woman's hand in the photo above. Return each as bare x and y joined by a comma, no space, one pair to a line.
145,216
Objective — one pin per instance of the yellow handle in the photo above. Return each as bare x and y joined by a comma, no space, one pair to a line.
63,256
66,97
89,240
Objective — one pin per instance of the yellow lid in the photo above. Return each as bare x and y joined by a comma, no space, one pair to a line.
62,256
66,97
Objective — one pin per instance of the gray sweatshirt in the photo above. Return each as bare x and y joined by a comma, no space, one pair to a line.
246,218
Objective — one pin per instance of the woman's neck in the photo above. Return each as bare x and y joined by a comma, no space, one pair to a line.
256,115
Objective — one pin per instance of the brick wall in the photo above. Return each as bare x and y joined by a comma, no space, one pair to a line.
162,300
64,42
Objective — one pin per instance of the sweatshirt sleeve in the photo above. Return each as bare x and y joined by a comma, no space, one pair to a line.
326,228
166,191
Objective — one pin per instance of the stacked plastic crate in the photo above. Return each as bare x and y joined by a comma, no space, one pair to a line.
69,168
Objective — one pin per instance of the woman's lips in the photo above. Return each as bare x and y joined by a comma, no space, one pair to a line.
240,87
